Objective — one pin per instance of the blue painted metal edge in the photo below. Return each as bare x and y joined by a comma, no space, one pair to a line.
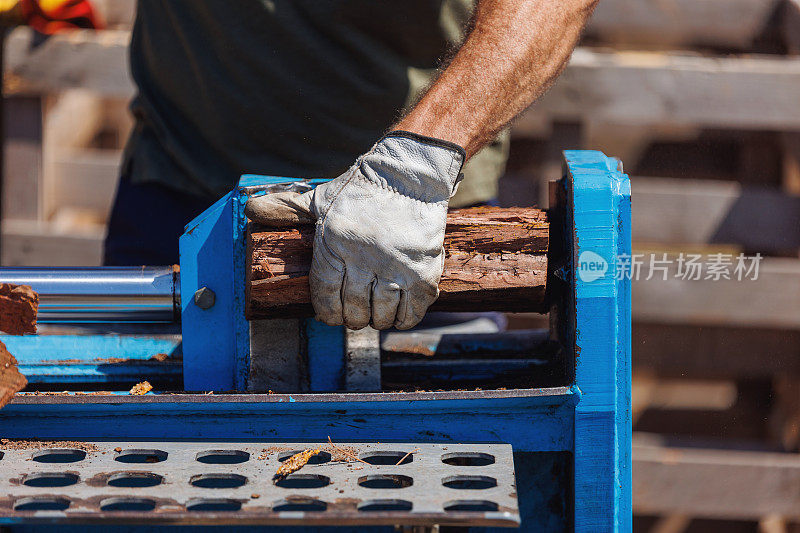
36,349
536,420
598,203
216,341
206,260
95,358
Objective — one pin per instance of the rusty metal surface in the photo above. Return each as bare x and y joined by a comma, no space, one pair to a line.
557,393
227,482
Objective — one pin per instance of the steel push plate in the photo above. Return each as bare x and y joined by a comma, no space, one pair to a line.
232,482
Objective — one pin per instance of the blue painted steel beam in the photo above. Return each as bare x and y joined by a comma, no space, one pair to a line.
129,371
530,420
96,358
598,220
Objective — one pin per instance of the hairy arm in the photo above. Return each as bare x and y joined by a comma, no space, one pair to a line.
515,51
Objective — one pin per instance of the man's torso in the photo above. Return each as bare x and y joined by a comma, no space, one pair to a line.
283,87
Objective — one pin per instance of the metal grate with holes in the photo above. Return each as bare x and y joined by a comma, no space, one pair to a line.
227,482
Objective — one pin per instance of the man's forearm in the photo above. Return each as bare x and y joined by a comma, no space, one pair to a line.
515,51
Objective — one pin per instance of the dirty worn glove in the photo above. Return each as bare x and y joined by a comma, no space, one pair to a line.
378,247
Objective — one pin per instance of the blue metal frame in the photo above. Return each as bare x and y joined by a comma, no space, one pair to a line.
108,358
217,340
588,420
599,217
598,222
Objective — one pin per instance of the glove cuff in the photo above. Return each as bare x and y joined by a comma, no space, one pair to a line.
433,141
424,168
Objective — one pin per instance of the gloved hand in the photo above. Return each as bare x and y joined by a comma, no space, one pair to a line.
378,247
49,16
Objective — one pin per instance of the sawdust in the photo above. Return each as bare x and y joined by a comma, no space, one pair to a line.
76,393
33,444
347,453
295,463
141,388
342,454
398,463
265,452
159,358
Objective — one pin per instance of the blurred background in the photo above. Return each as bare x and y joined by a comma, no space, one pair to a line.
701,101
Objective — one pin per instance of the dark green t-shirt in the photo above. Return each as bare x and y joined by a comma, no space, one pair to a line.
283,87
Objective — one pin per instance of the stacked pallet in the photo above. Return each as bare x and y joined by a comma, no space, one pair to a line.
701,101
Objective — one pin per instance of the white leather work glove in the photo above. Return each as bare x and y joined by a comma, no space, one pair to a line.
378,247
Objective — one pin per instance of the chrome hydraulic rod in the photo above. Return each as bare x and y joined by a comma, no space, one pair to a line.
101,294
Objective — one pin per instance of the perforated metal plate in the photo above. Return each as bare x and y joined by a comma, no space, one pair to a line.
230,482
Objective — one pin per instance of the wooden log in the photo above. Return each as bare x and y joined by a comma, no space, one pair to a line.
18,307
496,259
11,381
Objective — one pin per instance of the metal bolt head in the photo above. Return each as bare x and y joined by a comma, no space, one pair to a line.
204,298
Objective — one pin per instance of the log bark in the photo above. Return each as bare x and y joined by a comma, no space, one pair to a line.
19,305
496,260
11,381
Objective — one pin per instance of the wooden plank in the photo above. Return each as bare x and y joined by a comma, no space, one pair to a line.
724,23
754,92
86,179
718,23
791,26
771,301
116,13
71,121
614,87
784,416
675,523
22,170
495,259
791,162
41,244
709,483
649,392
679,211
93,60
684,350
744,422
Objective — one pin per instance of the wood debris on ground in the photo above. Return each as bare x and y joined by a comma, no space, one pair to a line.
295,463
398,463
141,388
11,380
345,454
33,444
19,305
